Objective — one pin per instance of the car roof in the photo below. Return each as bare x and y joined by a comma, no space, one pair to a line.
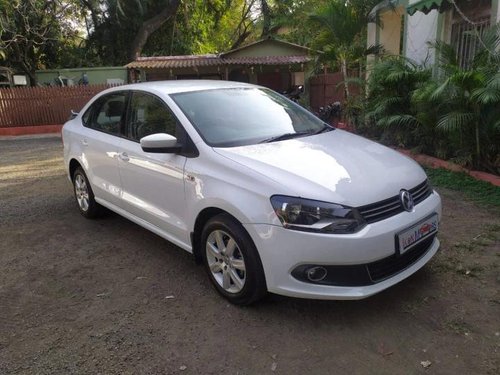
178,86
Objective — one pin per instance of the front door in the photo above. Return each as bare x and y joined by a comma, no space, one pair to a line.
153,184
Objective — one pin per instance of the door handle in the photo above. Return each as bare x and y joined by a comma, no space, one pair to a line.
124,156
85,142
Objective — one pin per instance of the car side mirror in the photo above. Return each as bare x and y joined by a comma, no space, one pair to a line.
160,143
73,115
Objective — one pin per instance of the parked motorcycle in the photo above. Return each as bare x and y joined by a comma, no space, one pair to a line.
332,111
294,93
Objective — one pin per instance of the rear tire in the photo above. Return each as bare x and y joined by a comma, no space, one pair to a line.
84,195
232,261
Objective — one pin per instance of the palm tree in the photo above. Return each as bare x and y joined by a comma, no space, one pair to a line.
395,88
463,104
342,35
470,98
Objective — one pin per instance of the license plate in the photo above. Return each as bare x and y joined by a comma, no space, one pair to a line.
417,233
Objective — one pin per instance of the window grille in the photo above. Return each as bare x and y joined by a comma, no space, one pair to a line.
464,39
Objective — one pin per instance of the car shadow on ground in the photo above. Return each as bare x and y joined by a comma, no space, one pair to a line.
398,297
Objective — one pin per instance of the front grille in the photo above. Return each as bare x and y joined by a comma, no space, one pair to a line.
369,273
392,206
387,267
421,192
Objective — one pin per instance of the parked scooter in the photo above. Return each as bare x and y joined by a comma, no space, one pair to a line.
294,93
332,111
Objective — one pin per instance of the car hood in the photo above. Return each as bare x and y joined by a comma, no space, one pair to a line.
336,166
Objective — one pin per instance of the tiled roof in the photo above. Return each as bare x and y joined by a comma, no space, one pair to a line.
166,62
267,60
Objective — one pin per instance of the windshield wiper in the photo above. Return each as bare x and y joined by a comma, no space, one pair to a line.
282,137
285,136
324,129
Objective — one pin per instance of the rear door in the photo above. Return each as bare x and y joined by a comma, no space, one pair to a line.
104,127
153,184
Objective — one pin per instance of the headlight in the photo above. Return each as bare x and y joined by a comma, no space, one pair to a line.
316,216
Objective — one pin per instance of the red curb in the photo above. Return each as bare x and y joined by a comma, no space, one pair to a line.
433,162
29,130
491,178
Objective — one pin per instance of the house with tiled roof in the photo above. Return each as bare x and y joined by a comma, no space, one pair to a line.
273,63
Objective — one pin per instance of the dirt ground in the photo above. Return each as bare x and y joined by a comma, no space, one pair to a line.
106,296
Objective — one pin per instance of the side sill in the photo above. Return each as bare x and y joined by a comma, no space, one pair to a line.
143,223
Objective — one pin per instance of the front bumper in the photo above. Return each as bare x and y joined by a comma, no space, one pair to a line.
282,250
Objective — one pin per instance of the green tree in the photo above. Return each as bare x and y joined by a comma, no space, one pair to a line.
286,18
118,30
214,26
33,33
121,30
62,33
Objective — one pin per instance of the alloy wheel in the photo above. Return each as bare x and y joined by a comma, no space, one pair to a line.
225,261
81,192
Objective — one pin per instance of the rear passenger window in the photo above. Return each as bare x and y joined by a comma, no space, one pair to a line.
149,115
108,113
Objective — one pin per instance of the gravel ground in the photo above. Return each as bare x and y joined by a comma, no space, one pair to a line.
106,296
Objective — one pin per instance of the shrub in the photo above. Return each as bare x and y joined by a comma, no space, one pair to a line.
454,114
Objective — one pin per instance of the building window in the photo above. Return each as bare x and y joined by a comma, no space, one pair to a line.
472,20
464,40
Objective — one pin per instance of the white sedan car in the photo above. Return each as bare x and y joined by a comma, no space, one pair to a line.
265,194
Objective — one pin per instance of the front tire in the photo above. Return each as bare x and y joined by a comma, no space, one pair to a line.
84,195
232,261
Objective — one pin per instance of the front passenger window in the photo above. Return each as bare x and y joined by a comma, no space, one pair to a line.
149,115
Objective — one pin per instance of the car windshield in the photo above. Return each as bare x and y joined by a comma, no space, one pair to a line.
242,116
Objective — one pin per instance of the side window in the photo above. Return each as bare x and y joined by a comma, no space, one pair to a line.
108,113
149,115
86,116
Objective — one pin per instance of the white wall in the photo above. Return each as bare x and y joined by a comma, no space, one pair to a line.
421,29
371,41
372,34
496,4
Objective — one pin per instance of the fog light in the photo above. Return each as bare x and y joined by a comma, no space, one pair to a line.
316,274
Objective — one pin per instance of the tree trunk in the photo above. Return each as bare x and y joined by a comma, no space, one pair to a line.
93,14
150,26
242,30
478,146
345,77
22,60
31,74
240,40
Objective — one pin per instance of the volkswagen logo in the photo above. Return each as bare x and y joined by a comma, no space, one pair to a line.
406,200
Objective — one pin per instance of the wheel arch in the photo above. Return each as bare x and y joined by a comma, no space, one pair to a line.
256,278
201,219
73,165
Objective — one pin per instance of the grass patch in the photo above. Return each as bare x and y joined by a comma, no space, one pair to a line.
459,326
478,191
